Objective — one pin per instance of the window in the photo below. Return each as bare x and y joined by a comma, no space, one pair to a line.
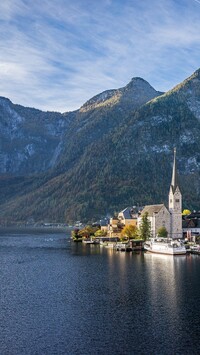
177,200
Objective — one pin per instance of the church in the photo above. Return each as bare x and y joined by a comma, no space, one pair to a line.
171,218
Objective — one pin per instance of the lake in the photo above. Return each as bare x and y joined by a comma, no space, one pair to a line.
60,297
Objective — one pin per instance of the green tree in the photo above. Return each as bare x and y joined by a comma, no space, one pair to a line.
100,233
87,231
75,233
162,232
130,232
145,227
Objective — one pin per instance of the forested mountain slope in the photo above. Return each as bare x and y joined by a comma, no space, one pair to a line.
116,155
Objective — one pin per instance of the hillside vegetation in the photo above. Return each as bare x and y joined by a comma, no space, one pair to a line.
117,150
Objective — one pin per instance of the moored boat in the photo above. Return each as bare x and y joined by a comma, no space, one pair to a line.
120,246
165,246
90,241
195,249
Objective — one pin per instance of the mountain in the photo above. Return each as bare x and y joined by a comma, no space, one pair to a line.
100,116
133,95
117,150
30,139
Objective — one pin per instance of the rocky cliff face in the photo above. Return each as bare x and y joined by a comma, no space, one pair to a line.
30,140
117,150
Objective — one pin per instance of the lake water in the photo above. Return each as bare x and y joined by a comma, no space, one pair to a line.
59,297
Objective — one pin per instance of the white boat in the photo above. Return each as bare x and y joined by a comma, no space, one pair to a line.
195,249
165,246
120,246
90,241
110,245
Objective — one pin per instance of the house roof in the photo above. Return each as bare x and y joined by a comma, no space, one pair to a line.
128,212
151,209
193,215
103,222
191,223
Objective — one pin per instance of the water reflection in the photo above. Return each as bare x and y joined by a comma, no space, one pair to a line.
161,274
79,299
163,277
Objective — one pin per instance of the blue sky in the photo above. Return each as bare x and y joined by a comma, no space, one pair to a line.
56,54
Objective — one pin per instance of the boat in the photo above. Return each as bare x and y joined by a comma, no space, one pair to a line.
165,246
110,245
195,249
120,246
90,241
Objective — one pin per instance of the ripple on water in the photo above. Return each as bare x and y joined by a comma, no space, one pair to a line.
58,298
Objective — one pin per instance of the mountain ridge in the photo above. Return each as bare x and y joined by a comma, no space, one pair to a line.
113,156
31,129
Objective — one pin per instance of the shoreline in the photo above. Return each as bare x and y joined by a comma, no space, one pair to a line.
32,229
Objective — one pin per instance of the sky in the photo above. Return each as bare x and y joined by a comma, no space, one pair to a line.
57,54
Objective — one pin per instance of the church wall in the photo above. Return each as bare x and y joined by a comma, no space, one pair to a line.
176,223
158,220
162,220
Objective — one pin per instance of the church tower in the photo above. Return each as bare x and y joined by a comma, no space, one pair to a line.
175,204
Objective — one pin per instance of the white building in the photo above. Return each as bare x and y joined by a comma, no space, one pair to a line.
171,218
158,215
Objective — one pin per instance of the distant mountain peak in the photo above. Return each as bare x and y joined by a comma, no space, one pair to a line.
138,78
138,83
136,89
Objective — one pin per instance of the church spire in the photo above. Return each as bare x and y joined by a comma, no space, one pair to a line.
174,182
175,204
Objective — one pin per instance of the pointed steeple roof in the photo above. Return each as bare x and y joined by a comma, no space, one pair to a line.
174,182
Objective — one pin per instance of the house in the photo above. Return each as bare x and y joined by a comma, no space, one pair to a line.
191,226
104,224
115,227
128,216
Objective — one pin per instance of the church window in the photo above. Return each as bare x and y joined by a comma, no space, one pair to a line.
177,200
170,200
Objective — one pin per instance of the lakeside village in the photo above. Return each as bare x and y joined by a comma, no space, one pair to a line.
155,228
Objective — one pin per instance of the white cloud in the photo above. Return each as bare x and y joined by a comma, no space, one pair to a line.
56,54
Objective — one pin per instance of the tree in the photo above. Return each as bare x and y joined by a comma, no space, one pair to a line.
186,212
100,233
162,232
75,233
87,231
145,227
130,232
